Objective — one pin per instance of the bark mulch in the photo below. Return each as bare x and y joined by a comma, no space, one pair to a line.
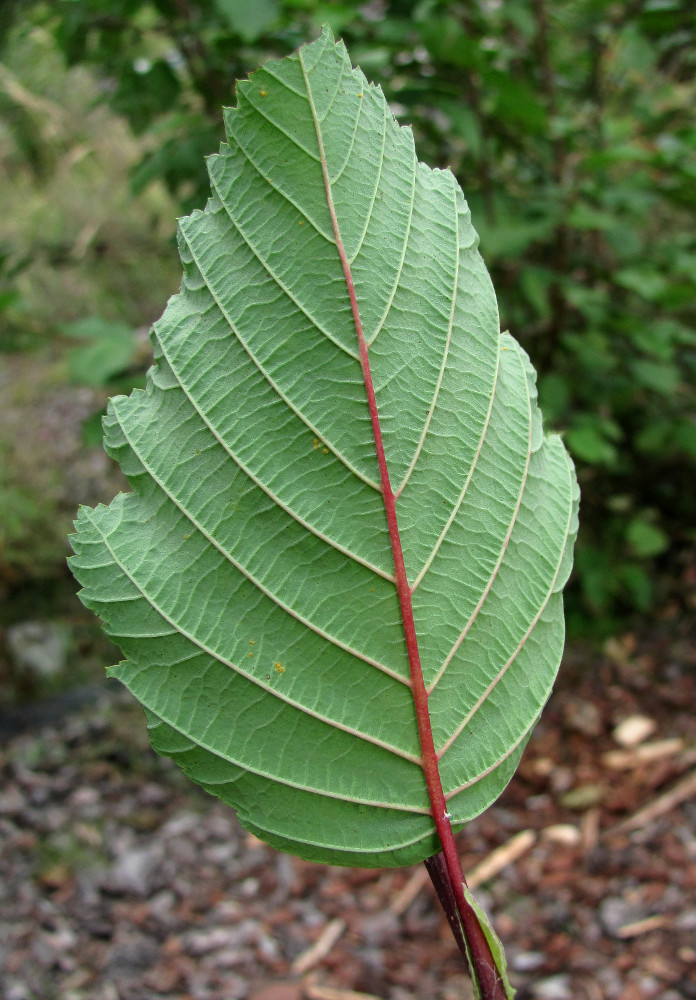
120,881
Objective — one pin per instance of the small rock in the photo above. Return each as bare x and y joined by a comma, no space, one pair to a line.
553,988
634,730
134,953
11,802
38,647
686,921
381,929
527,961
137,870
615,913
562,833
582,716
218,938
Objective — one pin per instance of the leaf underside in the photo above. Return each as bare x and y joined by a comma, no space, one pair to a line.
249,576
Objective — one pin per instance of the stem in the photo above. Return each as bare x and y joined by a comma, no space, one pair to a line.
482,962
439,876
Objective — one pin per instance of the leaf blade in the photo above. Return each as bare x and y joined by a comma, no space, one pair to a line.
250,578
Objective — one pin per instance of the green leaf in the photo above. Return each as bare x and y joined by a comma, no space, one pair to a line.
250,579
494,944
590,439
110,349
249,18
646,539
661,378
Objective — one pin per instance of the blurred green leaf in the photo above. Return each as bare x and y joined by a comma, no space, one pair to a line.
110,349
657,376
588,444
639,585
644,281
646,539
249,18
145,92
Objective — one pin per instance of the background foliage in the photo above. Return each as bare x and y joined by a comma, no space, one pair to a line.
569,125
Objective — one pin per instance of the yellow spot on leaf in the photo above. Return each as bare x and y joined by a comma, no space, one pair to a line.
252,642
317,442
263,93
325,451
279,667
185,537
301,222
359,95
250,655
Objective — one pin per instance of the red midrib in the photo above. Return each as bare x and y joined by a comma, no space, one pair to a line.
490,983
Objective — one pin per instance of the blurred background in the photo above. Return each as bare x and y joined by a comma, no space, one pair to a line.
570,126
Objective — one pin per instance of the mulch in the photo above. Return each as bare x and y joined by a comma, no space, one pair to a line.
121,881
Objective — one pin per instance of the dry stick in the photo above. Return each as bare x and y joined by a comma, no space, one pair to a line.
321,947
482,962
682,791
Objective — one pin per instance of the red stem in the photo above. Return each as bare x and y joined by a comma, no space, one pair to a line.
484,966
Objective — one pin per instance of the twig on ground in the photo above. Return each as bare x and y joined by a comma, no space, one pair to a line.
321,947
682,791
623,760
509,852
643,926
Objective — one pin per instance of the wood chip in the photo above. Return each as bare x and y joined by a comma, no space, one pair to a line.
683,790
624,760
634,730
321,947
642,926
562,833
589,829
409,891
509,852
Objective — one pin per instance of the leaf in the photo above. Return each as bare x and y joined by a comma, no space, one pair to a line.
646,539
250,579
495,946
249,18
110,349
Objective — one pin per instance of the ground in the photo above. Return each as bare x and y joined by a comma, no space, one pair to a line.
121,881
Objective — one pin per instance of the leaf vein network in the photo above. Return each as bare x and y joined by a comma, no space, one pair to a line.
276,388
374,193
274,187
467,719
267,490
257,583
332,101
503,548
460,499
282,131
257,681
271,273
333,180
407,237
438,384
268,68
